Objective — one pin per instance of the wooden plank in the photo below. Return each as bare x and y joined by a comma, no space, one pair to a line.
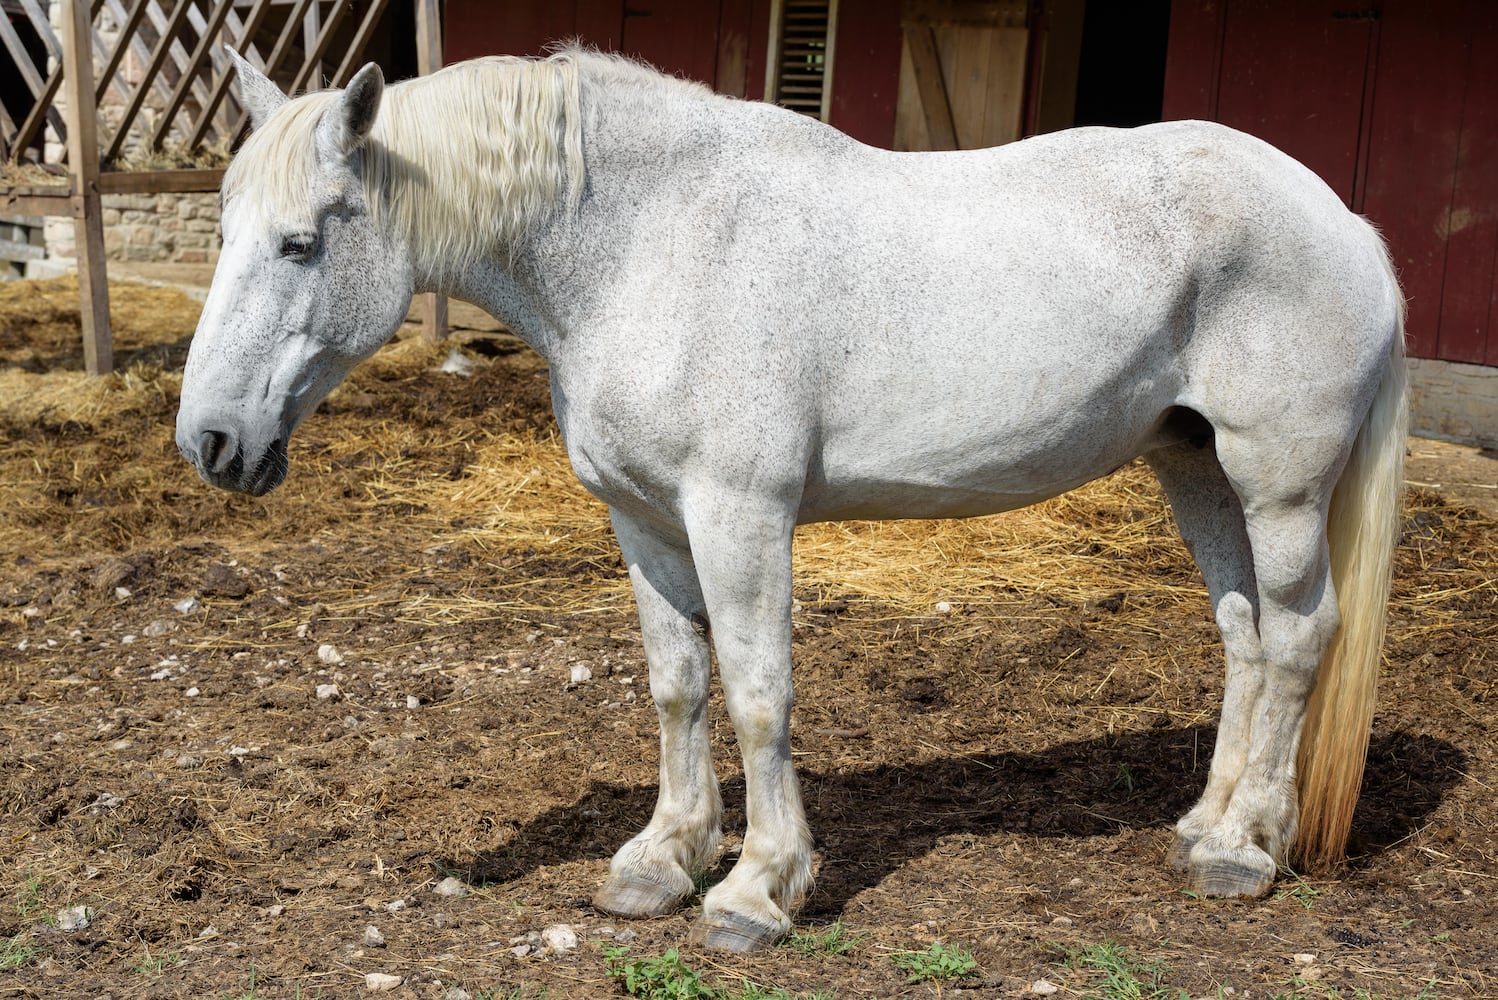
203,179
177,52
243,43
1413,153
968,13
138,49
966,73
434,324
278,54
158,58
1466,332
1005,101
121,46
312,63
206,40
29,75
356,48
88,216
30,202
930,85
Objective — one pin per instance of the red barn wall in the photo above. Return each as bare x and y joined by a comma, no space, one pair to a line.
1396,107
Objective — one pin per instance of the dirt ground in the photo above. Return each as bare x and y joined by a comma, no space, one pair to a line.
238,732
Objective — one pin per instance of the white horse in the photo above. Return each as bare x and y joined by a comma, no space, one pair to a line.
754,321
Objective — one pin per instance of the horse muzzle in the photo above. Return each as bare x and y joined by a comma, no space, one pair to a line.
221,458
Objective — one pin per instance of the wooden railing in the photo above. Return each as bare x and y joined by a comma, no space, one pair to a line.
162,94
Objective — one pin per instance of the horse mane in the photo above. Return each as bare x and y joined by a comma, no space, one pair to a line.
462,163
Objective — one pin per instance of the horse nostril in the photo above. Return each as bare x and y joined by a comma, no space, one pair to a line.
216,449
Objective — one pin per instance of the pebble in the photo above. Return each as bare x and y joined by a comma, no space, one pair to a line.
1062,922
328,653
457,993
1303,958
373,937
560,938
381,982
521,950
1044,987
74,918
187,605
326,692
192,692
581,673
627,935
122,593
943,607
156,628
189,762
450,887
413,702
275,910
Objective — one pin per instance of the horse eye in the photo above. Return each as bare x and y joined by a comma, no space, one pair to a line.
298,247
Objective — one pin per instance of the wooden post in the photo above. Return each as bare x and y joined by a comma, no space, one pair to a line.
83,164
429,60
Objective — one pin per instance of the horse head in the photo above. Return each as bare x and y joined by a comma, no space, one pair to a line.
307,285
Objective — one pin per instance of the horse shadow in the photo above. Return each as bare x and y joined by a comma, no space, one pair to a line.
869,822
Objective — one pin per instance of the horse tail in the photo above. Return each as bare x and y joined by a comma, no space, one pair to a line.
1362,530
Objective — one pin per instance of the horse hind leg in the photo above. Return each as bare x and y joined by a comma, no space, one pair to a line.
1284,517
1211,522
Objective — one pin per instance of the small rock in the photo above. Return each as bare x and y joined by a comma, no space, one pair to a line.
105,802
373,938
560,938
627,935
158,628
74,918
395,906
328,653
381,982
192,692
521,950
1304,959
187,605
208,933
457,993
943,607
1044,987
581,673
122,593
275,910
412,702
439,920
1062,922
327,692
451,887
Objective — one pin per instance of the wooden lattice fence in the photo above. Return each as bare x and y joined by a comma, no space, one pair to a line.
139,93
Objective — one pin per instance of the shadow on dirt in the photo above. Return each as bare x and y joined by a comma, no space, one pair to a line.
869,823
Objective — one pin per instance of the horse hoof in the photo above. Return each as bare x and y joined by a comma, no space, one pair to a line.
1227,879
1179,857
735,932
637,897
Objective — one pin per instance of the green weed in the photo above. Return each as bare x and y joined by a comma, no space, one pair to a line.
1302,891
940,961
663,978
1125,975
18,952
830,940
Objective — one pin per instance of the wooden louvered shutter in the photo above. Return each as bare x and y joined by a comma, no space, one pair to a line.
800,64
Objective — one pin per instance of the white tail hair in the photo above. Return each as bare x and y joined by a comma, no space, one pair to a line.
1362,531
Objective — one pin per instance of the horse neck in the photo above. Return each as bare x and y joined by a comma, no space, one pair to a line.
642,134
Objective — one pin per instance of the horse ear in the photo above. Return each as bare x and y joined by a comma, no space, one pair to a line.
261,97
360,104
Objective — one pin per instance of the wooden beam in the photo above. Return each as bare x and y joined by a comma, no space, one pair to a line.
190,71
83,160
29,75
47,202
434,325
221,87
314,58
361,41
204,179
158,56
277,56
926,63
121,46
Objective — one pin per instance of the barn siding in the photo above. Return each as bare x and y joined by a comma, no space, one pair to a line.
1397,110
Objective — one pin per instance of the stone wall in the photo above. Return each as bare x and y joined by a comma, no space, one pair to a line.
155,228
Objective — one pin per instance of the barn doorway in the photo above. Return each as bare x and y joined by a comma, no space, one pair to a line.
1102,62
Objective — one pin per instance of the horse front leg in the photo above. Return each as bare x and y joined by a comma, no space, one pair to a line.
654,873
742,547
